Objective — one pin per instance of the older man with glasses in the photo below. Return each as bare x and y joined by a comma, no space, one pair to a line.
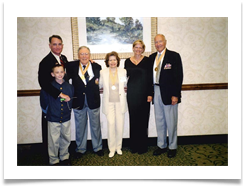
84,75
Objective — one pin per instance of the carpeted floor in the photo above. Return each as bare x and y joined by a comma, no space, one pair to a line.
187,155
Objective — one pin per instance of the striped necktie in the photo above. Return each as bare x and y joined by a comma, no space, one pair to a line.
86,74
62,61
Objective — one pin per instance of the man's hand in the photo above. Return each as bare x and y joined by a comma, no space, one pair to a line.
66,97
149,98
92,61
174,100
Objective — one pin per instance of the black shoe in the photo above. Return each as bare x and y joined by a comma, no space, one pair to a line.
78,155
159,151
56,164
100,153
66,162
172,153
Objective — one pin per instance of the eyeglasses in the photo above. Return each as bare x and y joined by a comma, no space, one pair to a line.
84,54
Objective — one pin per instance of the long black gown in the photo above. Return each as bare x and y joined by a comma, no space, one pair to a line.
138,88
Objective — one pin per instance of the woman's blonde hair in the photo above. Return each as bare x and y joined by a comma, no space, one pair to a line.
139,41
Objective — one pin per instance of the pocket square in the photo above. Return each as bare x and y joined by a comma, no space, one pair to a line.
168,66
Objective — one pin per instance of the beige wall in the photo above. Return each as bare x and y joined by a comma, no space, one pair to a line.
32,43
201,42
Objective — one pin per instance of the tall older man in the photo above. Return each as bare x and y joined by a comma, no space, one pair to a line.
87,101
168,78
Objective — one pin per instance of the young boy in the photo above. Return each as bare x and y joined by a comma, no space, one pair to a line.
58,117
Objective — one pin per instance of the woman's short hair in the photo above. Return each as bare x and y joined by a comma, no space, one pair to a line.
113,53
139,41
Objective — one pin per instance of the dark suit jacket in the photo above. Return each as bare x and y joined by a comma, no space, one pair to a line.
44,74
171,76
80,89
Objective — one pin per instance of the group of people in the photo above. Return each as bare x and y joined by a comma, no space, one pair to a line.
157,79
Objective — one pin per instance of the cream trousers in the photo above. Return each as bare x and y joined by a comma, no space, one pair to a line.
115,123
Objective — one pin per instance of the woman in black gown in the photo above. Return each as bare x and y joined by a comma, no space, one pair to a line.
139,96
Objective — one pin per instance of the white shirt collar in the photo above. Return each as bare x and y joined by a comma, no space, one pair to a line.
162,51
90,72
56,56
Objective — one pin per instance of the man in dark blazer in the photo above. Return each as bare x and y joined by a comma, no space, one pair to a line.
48,62
45,78
84,76
168,78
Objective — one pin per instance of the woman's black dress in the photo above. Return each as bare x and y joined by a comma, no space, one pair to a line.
138,88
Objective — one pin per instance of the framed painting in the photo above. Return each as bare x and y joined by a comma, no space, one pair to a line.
106,34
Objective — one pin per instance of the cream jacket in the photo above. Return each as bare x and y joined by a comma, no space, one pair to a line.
104,83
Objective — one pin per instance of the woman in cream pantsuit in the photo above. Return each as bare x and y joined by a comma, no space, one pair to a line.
114,103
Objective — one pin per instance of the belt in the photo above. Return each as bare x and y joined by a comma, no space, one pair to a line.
157,84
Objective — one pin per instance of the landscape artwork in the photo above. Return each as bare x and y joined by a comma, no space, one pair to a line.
113,30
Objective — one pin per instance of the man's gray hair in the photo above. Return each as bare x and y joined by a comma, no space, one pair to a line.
83,47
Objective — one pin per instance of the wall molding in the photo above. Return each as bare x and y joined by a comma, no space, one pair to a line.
206,86
185,87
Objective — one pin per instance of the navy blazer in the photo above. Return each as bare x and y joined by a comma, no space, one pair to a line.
171,76
44,74
91,90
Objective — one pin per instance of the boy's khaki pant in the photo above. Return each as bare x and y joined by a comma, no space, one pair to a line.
59,139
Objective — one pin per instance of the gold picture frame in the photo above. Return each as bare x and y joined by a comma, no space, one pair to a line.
75,41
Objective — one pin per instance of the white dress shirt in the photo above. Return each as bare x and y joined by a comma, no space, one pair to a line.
57,57
90,73
160,66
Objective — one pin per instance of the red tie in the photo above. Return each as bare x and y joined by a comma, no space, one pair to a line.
62,62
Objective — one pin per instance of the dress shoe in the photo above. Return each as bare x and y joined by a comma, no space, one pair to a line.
159,151
79,155
111,154
56,164
171,153
119,152
100,153
66,162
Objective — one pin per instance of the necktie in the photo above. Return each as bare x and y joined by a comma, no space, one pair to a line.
62,62
159,55
86,74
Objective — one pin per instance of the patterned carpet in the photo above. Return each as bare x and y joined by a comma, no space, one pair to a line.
187,155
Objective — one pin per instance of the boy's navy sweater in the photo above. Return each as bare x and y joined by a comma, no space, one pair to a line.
59,111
